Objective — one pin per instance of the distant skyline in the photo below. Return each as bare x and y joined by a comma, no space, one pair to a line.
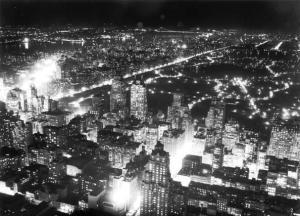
255,15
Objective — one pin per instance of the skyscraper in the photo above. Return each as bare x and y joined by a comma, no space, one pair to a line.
215,115
117,96
156,183
284,142
138,100
177,112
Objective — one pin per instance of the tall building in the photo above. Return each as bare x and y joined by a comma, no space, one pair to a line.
156,183
117,96
138,100
284,142
178,114
215,115
230,134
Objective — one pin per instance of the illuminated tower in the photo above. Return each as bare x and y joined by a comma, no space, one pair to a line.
118,96
215,115
138,100
156,183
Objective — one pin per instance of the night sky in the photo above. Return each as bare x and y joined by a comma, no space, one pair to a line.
257,15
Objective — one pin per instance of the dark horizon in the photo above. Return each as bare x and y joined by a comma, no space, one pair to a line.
255,15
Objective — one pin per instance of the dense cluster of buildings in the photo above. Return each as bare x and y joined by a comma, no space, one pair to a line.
124,157
128,161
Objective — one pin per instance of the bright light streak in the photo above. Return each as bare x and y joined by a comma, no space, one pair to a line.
176,160
277,47
258,45
121,194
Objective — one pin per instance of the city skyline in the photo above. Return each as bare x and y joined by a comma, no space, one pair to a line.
164,108
248,15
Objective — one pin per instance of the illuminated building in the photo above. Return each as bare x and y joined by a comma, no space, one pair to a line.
284,143
138,100
57,170
10,158
230,135
118,96
198,141
155,183
191,161
121,149
122,152
8,186
207,157
50,105
177,198
32,98
38,125
210,140
91,183
282,178
172,140
250,139
14,99
178,114
19,134
109,119
125,192
198,196
215,117
12,131
162,127
139,133
236,158
54,135
194,171
43,156
58,118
